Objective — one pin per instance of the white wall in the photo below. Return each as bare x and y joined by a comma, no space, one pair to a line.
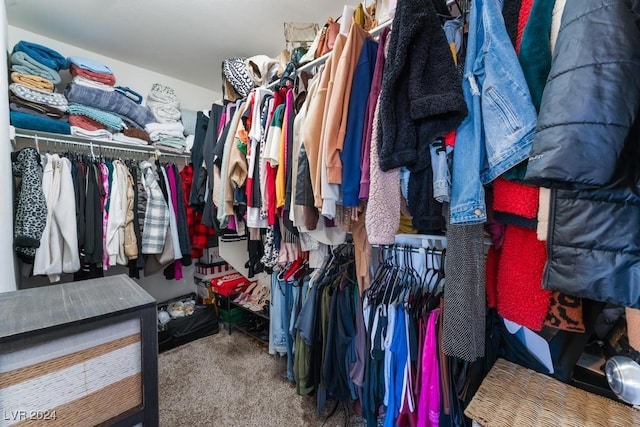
7,272
139,79
235,253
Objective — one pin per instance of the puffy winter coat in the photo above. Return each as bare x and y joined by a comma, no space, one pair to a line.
588,108
591,96
594,245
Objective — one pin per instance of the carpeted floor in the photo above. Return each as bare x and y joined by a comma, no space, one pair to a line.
231,380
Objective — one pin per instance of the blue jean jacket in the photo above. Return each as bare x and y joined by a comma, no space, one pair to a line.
498,132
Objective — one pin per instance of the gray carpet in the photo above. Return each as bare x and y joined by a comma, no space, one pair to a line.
231,380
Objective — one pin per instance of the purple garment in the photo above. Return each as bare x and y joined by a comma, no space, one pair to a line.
113,102
374,94
171,176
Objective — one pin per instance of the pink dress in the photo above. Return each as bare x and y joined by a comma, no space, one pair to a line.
429,399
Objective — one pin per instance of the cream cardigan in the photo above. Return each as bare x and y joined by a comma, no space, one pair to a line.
58,251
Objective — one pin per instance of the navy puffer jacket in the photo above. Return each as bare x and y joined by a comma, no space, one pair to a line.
588,111
591,96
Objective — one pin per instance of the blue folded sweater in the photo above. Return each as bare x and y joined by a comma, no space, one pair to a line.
44,124
44,55
113,102
89,64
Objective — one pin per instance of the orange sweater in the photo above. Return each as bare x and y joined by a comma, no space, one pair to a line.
314,120
337,109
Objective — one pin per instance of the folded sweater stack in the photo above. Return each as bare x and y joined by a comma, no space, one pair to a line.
36,64
168,131
34,74
90,73
112,102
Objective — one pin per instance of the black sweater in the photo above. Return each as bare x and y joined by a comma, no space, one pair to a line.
421,96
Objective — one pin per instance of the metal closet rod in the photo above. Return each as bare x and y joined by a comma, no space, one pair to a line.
109,145
321,60
409,248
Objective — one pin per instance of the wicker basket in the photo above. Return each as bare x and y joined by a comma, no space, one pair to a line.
515,396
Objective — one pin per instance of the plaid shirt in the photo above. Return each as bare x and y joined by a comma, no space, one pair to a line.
156,219
198,232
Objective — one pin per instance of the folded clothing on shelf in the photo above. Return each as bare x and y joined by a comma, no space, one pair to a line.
92,134
159,130
137,133
113,102
23,63
105,78
32,81
167,145
39,96
33,122
83,81
174,142
111,121
121,137
85,123
164,113
44,55
18,104
89,64
162,94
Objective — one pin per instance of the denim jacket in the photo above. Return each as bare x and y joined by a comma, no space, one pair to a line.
498,132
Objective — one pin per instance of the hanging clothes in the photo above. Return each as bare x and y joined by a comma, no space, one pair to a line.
31,204
58,251
156,221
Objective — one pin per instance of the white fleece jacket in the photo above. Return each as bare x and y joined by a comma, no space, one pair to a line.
115,218
58,251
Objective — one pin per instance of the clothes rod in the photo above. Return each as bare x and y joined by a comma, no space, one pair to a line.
90,145
106,144
322,59
406,248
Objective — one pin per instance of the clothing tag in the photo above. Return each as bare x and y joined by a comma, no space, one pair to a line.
475,90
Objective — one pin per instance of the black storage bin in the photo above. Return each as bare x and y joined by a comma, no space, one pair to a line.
181,330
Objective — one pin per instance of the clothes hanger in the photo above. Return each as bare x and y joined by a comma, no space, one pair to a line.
441,277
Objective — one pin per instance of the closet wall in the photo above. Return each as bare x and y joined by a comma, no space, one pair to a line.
140,80
7,271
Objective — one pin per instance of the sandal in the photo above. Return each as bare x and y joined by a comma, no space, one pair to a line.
243,296
258,293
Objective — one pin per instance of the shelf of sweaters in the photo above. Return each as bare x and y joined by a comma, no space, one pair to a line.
30,110
91,105
96,147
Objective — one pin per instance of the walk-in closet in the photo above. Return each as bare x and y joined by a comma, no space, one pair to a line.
419,213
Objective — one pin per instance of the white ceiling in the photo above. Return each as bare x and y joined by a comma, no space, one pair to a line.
184,39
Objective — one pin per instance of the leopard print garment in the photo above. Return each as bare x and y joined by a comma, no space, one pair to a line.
565,313
30,204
